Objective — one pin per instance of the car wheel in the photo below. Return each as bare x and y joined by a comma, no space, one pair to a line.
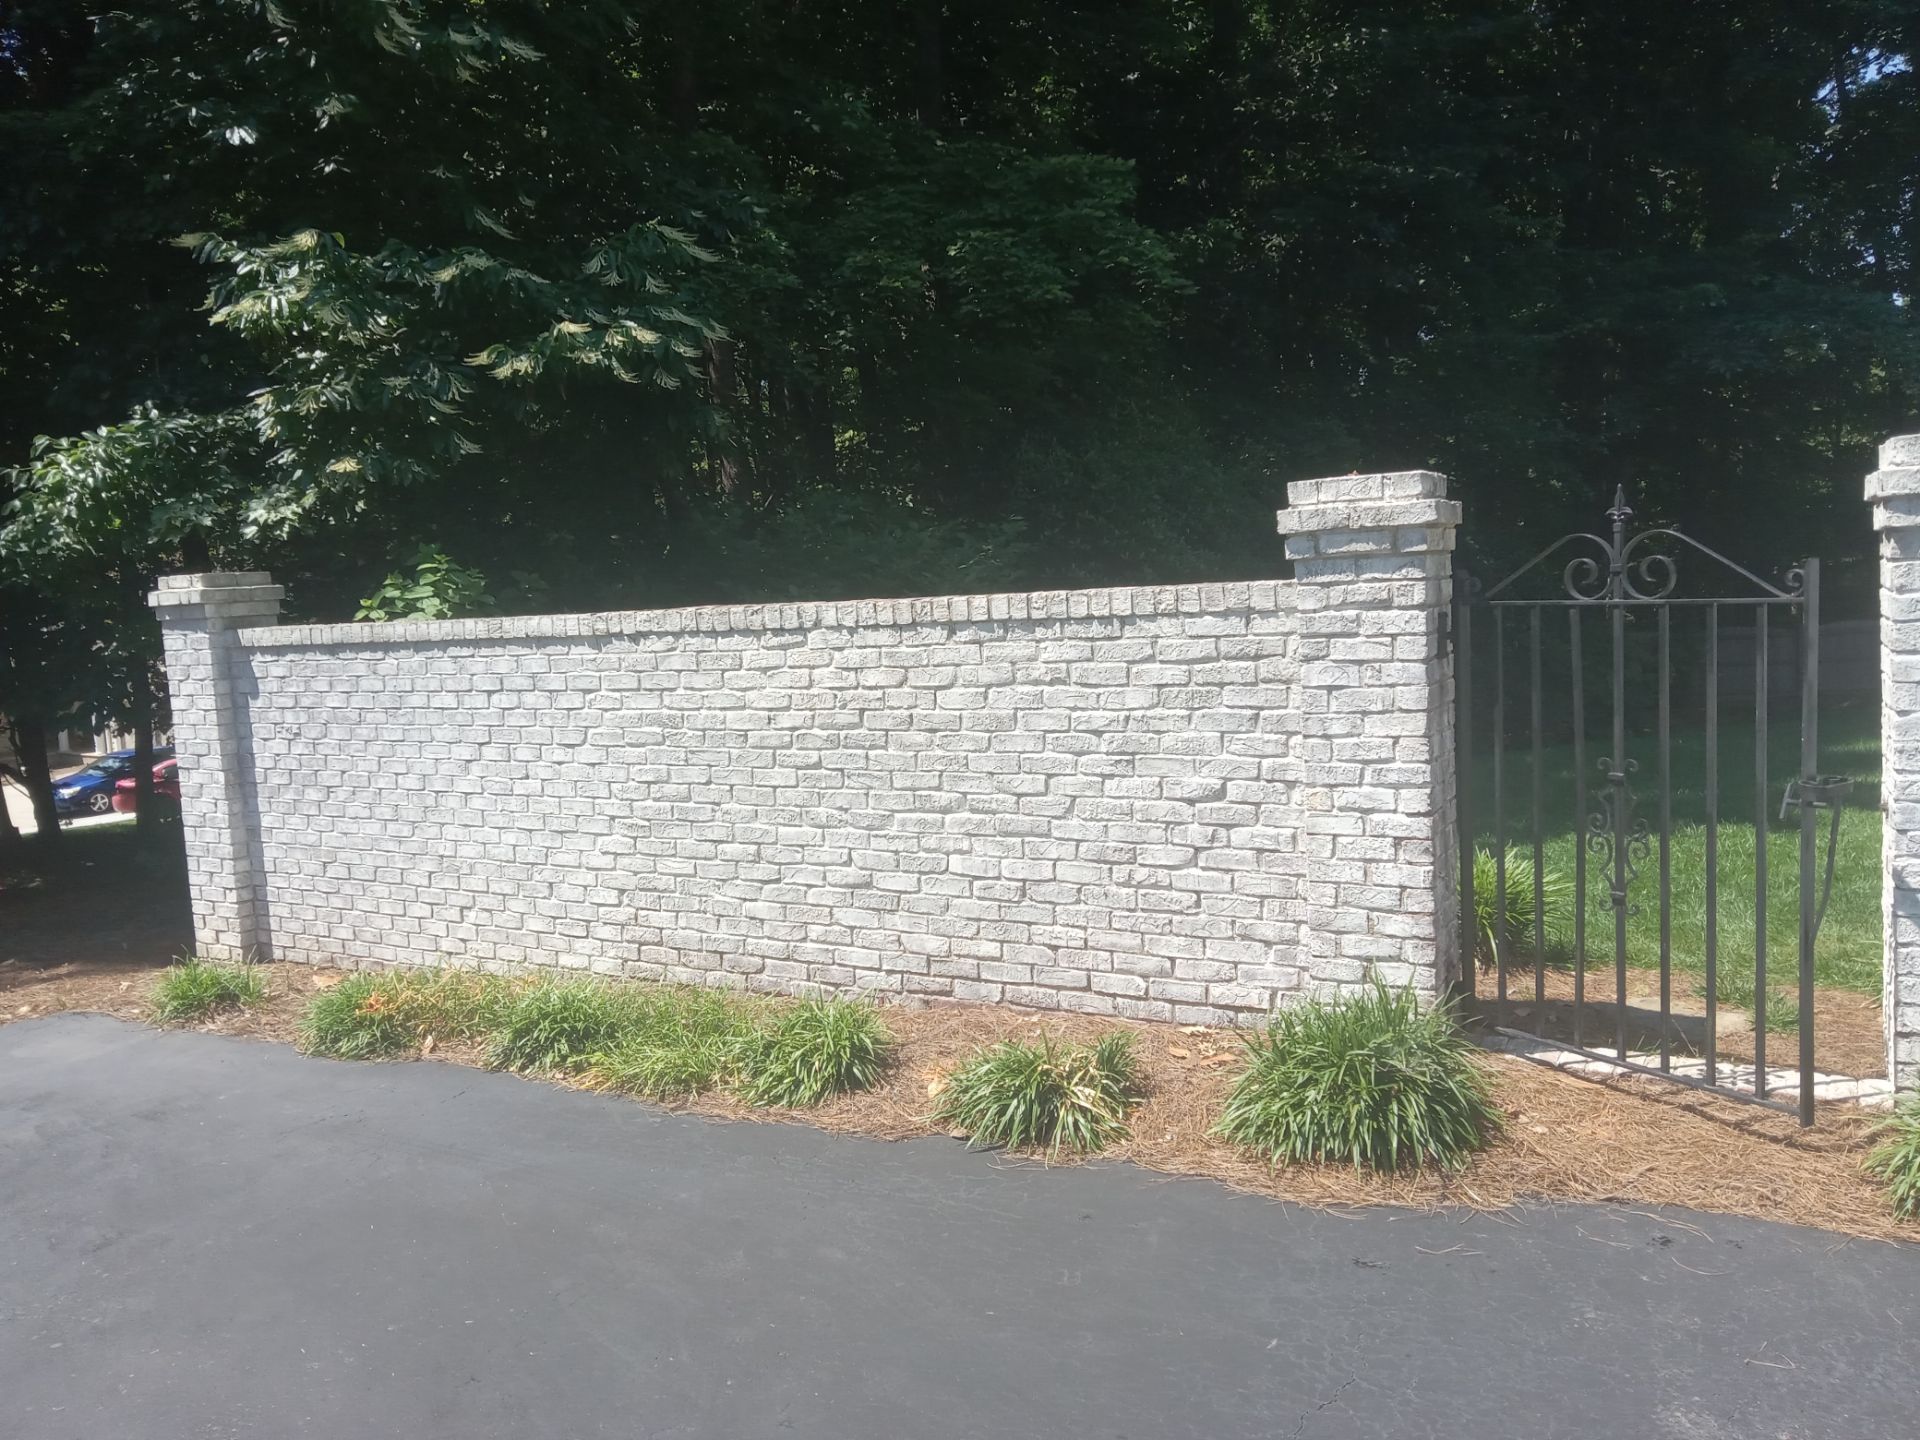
100,803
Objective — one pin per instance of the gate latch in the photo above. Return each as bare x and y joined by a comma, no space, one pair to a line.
1823,792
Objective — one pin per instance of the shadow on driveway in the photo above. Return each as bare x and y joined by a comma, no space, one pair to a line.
208,1236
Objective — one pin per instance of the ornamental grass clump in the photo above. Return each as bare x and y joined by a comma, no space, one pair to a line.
674,1043
390,1012
1895,1161
361,1018
561,1025
1048,1096
194,989
1370,1079
814,1050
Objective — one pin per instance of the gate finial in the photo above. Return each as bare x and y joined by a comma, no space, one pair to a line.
1621,512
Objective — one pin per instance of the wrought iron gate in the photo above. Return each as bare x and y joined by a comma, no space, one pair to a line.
1624,584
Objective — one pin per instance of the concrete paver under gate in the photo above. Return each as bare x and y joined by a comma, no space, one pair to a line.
202,1236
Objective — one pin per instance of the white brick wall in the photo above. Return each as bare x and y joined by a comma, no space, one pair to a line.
1894,490
1373,564
200,617
1124,801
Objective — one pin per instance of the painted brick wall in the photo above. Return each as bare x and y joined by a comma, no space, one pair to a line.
1180,803
1081,800
1894,490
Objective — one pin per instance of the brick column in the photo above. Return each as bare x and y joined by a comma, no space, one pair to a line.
198,617
1372,559
1894,490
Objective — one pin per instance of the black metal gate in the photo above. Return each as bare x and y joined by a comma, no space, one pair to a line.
1623,586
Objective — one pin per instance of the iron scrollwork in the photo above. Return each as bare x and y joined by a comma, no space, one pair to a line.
1624,571
1613,820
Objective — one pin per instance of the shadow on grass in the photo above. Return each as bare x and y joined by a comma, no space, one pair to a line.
101,895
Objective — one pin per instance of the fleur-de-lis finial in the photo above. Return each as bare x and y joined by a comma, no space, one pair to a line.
1621,512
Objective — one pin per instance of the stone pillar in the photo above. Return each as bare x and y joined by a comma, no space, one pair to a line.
199,615
1372,559
1894,490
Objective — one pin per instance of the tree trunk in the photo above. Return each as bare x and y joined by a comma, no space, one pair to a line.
144,817
816,419
724,388
30,743
9,832
195,557
929,65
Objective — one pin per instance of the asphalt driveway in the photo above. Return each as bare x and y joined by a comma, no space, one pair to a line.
202,1236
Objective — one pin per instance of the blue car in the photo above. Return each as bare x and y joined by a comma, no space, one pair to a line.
90,791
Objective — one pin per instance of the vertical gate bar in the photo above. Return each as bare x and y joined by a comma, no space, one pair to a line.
1713,841
1666,837
1539,852
1463,797
1617,777
1809,771
1760,851
1499,812
1579,829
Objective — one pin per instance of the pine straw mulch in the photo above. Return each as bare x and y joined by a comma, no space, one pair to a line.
1631,1142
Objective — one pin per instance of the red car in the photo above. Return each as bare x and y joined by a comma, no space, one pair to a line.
166,789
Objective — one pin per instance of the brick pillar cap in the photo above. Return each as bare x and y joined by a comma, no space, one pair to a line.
1391,500
1897,481
1897,475
216,580
1368,515
1384,485
226,588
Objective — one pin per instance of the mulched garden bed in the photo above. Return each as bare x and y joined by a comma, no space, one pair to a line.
1631,1142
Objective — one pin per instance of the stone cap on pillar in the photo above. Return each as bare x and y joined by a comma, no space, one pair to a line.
1894,488
1403,511
225,595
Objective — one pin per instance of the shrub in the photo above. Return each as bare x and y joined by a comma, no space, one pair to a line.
560,1025
196,988
1896,1159
1515,902
1048,1096
1370,1078
813,1050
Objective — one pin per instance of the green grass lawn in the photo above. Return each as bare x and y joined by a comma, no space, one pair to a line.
1848,953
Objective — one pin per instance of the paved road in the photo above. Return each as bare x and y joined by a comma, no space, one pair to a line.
211,1237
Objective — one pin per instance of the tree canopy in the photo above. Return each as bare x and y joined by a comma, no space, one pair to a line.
618,302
